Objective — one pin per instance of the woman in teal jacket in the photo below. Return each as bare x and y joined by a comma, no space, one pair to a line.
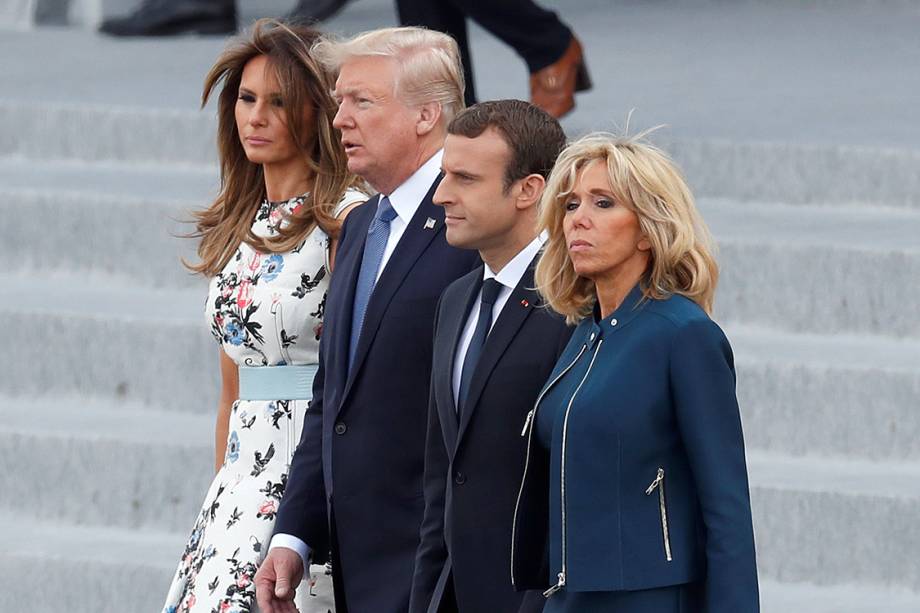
636,450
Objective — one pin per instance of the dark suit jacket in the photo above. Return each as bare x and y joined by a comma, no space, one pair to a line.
360,461
656,487
473,465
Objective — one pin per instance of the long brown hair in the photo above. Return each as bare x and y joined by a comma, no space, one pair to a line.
304,83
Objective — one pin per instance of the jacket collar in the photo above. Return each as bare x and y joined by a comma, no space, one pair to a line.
595,326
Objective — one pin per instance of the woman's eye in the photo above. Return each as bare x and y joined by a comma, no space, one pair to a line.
604,203
571,206
247,98
277,103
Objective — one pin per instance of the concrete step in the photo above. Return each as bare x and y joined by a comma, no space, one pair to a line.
115,464
795,173
54,566
805,598
51,567
124,220
766,108
799,393
54,131
160,183
841,395
101,336
752,71
833,521
817,269
744,170
828,532
799,268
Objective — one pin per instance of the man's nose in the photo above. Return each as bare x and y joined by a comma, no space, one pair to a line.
341,118
442,194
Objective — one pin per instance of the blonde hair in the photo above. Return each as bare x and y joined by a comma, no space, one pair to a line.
429,63
646,180
304,83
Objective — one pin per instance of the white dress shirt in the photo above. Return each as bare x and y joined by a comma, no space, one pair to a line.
509,277
405,200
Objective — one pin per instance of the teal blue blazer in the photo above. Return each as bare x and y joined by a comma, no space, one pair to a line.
655,481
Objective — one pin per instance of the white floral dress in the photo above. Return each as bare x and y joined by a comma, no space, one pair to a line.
264,310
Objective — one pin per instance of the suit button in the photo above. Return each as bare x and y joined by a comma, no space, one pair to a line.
340,428
459,478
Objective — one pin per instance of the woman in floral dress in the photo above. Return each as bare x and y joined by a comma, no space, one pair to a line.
266,242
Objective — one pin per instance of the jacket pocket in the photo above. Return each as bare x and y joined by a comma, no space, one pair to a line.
658,484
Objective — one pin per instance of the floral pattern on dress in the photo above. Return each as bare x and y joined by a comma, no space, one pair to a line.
264,310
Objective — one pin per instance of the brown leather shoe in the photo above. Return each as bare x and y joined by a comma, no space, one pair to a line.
553,88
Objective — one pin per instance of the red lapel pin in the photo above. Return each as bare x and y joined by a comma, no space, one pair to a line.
524,303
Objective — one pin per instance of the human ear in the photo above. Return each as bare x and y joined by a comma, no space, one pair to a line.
428,116
531,189
644,244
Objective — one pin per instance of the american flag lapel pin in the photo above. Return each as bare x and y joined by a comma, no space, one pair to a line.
524,303
429,224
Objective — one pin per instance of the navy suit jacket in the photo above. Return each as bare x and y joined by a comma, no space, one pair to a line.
473,464
359,465
656,488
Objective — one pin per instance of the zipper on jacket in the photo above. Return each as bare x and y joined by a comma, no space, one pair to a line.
560,583
527,422
659,484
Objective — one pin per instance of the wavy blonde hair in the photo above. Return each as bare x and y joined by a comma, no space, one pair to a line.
429,63
304,83
646,180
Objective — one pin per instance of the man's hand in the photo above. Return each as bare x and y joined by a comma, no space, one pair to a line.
276,579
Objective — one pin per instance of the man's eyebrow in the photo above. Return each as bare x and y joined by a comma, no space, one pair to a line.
460,171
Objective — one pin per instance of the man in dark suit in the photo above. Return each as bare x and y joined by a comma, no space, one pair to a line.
494,347
355,486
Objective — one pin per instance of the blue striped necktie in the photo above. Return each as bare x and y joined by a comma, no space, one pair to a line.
375,244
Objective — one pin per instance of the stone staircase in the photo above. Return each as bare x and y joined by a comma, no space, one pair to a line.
109,379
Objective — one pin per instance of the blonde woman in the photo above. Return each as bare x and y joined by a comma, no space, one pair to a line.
266,243
636,451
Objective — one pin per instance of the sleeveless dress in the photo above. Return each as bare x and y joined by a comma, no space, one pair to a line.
264,310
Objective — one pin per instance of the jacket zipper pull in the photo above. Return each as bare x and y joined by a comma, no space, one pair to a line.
559,585
527,421
655,483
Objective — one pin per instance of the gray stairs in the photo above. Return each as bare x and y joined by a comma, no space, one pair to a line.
109,381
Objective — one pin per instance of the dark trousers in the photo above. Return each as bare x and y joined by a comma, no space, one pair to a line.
536,34
338,582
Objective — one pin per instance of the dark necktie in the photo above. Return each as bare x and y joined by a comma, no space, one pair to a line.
375,244
490,289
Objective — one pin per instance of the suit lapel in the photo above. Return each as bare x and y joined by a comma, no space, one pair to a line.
419,233
520,304
342,290
455,330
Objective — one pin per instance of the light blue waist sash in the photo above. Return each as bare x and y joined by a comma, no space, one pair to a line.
293,382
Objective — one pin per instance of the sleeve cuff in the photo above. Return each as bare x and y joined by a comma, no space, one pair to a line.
292,542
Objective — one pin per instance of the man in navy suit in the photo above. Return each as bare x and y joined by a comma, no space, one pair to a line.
494,347
356,480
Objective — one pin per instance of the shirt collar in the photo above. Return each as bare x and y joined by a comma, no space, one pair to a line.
406,198
510,275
